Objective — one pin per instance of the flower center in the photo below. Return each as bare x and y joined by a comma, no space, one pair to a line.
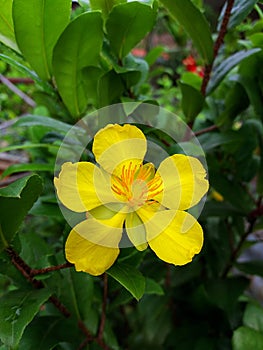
137,184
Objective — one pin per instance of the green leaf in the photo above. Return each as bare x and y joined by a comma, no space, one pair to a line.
105,6
17,309
77,290
226,66
192,101
32,120
194,23
245,338
253,317
48,331
152,287
37,28
232,191
7,35
225,292
240,11
18,168
127,25
15,201
129,277
252,267
78,47
110,88
30,73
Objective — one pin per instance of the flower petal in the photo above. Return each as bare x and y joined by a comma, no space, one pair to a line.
175,236
106,233
87,256
136,231
115,144
184,182
83,186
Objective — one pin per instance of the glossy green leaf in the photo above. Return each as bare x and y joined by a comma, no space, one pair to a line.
245,338
15,201
220,71
253,316
129,277
192,101
17,309
78,47
19,168
105,6
127,25
240,11
37,29
7,35
194,23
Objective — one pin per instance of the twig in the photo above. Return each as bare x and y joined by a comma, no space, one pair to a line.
35,272
17,91
25,81
219,41
22,266
206,130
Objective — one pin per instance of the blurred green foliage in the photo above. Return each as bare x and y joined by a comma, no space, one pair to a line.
84,61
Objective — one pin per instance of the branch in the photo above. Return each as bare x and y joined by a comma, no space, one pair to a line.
206,130
17,91
219,41
35,272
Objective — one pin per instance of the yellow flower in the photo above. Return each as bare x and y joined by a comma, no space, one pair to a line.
127,199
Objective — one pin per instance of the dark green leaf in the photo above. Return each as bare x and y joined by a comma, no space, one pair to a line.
37,28
7,35
245,338
194,23
152,287
15,201
192,101
46,332
232,191
127,25
225,292
226,66
17,309
18,168
77,290
129,277
252,267
78,47
110,88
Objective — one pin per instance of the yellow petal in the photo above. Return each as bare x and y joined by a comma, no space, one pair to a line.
87,256
136,231
175,236
184,182
106,233
83,186
116,144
